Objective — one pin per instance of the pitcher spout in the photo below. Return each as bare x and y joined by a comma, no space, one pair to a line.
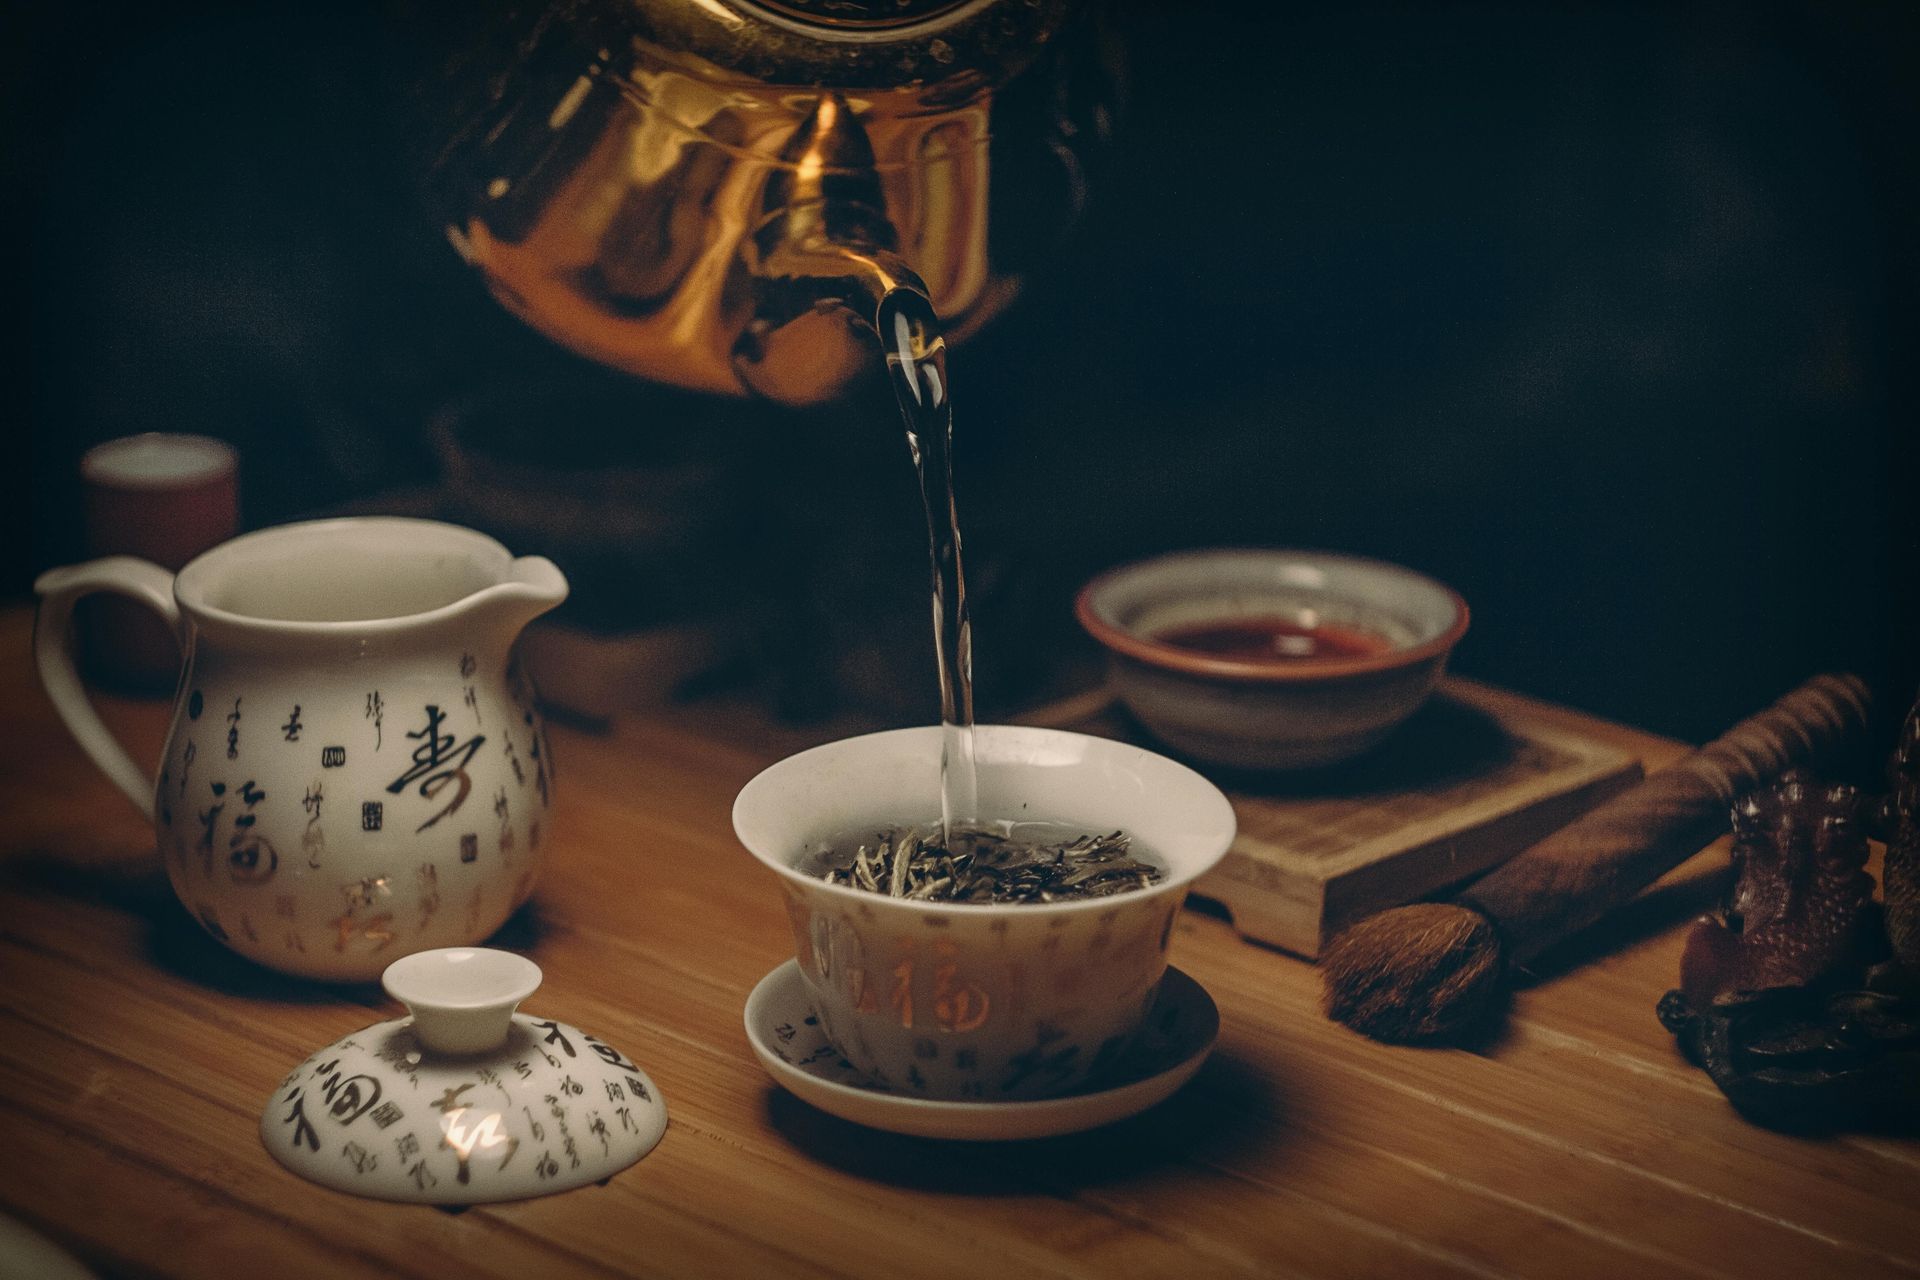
532,586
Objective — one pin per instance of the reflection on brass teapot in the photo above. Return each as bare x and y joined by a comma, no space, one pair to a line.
715,193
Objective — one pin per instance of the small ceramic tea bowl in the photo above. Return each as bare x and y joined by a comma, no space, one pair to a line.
978,1001
1271,659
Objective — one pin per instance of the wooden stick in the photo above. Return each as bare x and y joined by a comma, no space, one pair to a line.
1575,876
1437,970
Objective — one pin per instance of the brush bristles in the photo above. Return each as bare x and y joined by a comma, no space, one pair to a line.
1415,974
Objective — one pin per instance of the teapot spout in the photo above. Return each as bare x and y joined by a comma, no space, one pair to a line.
533,586
821,260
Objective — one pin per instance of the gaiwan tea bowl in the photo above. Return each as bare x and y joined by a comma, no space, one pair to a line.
982,1001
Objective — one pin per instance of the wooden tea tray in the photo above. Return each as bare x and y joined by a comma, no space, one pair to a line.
136,1055
1476,776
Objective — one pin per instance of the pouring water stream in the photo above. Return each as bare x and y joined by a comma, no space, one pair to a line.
917,366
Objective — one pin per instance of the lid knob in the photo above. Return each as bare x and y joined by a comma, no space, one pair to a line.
462,998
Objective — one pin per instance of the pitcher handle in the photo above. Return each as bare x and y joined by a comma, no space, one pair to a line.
53,653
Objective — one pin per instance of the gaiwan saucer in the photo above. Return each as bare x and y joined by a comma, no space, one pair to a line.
786,1037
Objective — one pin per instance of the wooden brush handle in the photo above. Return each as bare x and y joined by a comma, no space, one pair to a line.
1573,877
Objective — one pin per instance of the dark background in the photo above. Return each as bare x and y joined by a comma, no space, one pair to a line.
1604,314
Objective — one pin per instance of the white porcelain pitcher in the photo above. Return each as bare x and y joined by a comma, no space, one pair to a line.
356,767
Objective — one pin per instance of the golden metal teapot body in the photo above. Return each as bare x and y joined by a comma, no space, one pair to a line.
715,193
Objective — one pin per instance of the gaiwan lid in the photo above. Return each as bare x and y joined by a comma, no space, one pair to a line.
466,1102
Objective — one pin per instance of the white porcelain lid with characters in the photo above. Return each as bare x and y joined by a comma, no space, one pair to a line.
466,1101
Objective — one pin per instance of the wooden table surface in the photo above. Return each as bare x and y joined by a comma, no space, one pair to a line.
136,1055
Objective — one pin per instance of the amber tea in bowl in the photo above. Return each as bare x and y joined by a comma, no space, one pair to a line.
1267,638
982,1000
1271,659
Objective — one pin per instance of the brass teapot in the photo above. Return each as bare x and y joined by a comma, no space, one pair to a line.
715,194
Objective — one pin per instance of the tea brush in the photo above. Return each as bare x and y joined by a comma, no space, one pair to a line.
1437,970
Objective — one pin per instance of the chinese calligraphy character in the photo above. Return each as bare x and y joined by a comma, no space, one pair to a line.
539,765
428,877
958,1005
348,1097
208,818
313,839
296,1116
554,1037
250,856
438,761
610,1054
385,1115
233,731
377,928
900,995
376,710
466,1139
293,726
365,892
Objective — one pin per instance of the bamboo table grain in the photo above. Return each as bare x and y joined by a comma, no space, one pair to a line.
135,1056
